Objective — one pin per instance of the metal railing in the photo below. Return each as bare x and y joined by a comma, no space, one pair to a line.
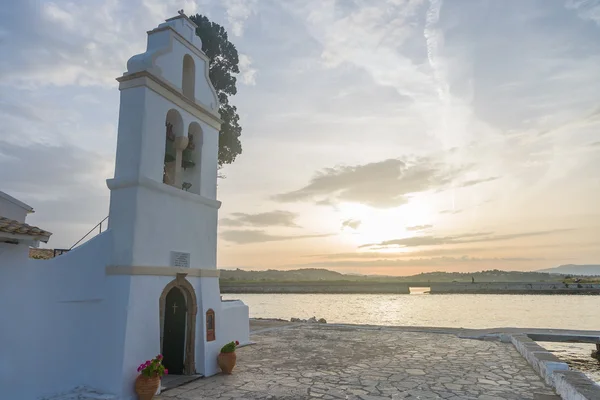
98,225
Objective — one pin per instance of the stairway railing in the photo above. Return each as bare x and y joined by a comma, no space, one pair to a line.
98,225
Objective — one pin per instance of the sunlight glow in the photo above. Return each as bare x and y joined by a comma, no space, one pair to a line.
377,225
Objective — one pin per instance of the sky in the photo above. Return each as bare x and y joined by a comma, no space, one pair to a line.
379,136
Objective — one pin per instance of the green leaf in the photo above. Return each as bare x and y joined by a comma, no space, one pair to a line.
224,62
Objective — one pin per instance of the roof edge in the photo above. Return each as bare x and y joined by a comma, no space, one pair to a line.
8,197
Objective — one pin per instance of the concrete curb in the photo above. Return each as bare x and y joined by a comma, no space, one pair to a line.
574,385
570,385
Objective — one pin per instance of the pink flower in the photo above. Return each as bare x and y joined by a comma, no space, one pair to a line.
166,371
237,343
159,357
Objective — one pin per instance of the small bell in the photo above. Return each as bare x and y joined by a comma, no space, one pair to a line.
170,145
187,155
169,151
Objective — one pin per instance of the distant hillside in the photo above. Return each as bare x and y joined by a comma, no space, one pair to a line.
313,275
587,270
297,275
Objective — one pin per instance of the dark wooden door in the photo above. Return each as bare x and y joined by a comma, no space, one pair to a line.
174,332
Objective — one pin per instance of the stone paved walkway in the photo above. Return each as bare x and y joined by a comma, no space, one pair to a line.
329,362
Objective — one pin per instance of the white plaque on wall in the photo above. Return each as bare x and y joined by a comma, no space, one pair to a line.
179,259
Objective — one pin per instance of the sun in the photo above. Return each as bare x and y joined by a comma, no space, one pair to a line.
378,225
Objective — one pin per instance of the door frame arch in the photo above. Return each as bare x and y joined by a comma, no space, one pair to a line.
189,293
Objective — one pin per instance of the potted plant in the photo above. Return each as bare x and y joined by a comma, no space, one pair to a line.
148,381
227,357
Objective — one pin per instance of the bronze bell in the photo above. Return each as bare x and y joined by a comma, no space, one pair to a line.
187,154
187,158
169,151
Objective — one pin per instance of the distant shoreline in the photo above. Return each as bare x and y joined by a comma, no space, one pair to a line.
544,288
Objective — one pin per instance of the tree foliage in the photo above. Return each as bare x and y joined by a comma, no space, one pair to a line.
223,64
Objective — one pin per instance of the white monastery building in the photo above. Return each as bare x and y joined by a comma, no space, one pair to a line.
149,284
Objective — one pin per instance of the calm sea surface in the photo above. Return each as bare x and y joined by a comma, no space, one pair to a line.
452,310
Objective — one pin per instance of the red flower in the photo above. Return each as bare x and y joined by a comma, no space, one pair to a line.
237,343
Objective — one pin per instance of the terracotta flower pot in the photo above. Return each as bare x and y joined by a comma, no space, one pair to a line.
146,387
226,362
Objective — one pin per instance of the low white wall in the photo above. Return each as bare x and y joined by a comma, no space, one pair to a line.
570,385
465,287
574,385
235,326
46,320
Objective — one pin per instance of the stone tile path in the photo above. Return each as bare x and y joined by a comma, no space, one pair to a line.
336,362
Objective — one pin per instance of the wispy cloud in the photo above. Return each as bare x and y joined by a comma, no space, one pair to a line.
477,237
247,72
434,38
351,223
64,184
418,228
258,236
238,11
478,181
585,9
95,53
440,262
271,218
451,211
381,184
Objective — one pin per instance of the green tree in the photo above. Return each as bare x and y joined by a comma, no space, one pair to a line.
223,64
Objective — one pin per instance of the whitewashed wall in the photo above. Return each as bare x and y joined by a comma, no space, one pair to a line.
11,210
49,327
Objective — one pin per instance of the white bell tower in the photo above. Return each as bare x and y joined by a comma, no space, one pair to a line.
163,215
163,195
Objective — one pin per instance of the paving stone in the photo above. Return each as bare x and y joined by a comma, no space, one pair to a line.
329,363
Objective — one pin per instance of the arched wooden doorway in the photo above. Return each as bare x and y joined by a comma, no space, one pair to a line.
178,309
174,331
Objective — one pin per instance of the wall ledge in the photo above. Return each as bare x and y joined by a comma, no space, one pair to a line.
162,271
126,182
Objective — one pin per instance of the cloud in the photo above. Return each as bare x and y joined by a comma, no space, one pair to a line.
595,144
418,241
439,251
64,184
351,223
65,44
257,236
271,218
450,211
418,228
434,38
585,9
238,11
247,74
381,184
20,110
415,262
478,181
